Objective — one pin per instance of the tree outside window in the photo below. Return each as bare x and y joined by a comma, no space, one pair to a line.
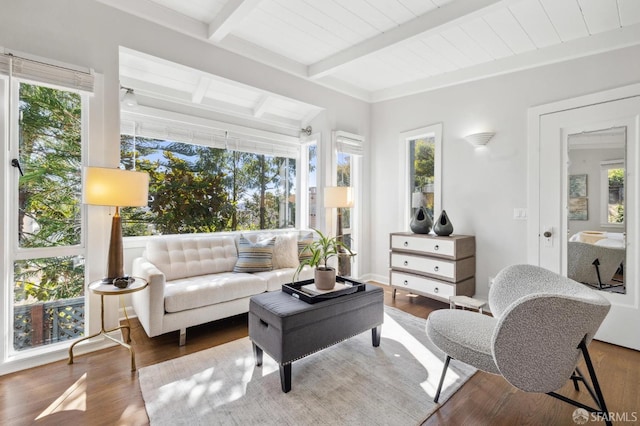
195,188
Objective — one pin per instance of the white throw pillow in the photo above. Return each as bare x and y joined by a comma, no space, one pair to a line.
285,251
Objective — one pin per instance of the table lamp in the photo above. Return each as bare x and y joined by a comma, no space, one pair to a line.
116,188
340,197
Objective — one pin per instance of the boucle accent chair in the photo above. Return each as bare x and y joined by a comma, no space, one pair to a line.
593,264
542,322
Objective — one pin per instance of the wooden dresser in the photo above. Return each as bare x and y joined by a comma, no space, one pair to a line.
432,266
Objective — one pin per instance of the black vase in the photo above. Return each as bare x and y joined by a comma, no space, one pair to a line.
443,226
421,222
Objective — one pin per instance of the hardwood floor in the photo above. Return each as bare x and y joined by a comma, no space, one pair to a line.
99,389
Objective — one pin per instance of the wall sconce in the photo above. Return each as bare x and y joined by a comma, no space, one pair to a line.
479,140
129,99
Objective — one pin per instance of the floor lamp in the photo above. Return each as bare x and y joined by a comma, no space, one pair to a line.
116,188
340,197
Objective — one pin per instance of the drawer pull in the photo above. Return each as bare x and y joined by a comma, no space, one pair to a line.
406,243
435,290
406,282
436,268
406,263
436,247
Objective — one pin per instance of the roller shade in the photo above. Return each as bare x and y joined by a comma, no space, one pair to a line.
349,143
46,73
153,128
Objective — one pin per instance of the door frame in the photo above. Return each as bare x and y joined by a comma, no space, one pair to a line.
625,307
534,119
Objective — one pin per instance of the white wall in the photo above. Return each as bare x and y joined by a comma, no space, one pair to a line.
88,34
480,191
85,33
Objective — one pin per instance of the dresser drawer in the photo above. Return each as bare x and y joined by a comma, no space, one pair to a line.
430,246
448,270
423,285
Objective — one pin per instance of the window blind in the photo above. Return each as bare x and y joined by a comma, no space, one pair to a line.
154,128
46,73
349,143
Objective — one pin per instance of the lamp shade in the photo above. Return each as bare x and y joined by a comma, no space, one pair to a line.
338,196
115,187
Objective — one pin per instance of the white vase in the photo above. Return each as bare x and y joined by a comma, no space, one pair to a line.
325,279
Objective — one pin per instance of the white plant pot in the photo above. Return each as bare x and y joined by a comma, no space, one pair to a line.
325,279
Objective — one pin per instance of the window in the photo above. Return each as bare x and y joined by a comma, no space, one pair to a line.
422,173
47,254
195,188
422,150
308,204
204,179
612,186
349,152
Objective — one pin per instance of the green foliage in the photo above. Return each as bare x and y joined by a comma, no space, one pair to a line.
424,162
49,193
322,249
201,189
616,177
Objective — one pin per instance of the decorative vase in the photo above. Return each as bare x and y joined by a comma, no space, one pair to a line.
443,226
421,222
325,279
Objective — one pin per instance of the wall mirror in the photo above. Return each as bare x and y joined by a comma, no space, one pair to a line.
596,240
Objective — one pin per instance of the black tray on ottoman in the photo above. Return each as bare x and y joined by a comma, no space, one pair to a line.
346,286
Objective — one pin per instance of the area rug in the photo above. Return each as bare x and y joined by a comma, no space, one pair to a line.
351,383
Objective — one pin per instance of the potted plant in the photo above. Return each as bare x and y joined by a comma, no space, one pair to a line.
322,249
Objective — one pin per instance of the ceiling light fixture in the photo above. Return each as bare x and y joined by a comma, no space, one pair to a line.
479,140
306,131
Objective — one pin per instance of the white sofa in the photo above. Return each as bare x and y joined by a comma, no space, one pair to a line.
191,279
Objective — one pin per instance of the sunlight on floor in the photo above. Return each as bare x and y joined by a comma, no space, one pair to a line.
74,398
431,362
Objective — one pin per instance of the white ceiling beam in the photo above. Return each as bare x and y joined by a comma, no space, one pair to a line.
200,90
435,21
161,15
262,105
578,48
229,17
146,91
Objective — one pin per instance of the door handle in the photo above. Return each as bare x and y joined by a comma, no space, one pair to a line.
16,163
547,234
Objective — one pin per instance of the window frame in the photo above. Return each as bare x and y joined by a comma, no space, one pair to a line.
11,216
605,166
404,139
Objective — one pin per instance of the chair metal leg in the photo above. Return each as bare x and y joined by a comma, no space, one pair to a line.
444,372
596,392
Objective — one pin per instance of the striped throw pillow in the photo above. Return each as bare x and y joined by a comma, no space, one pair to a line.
303,251
254,257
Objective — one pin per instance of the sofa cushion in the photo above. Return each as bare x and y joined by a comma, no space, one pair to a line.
303,241
205,290
285,250
191,256
276,278
254,257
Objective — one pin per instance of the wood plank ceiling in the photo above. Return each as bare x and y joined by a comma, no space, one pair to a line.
382,49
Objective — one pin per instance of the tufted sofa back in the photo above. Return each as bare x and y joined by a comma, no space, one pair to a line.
188,256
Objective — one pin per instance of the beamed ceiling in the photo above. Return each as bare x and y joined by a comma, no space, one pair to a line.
382,49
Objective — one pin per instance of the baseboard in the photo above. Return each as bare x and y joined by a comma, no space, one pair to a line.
382,279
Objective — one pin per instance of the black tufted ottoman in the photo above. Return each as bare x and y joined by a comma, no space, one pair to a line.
289,329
